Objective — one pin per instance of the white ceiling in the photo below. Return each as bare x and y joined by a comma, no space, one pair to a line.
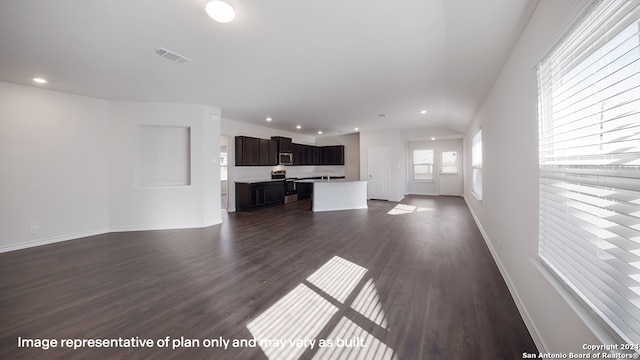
329,65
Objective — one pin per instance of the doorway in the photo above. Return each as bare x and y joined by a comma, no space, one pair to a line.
450,182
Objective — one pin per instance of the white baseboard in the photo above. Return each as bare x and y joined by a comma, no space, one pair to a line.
535,334
74,236
51,240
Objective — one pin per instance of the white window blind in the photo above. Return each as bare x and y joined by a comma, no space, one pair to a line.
589,108
476,164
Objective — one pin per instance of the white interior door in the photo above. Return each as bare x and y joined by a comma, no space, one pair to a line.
378,172
450,172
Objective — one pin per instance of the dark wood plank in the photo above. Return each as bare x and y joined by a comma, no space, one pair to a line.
433,277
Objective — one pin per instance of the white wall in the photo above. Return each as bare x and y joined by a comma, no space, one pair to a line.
195,205
67,167
397,159
429,187
508,214
54,148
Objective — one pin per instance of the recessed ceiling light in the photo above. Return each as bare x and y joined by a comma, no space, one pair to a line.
423,112
319,132
433,138
220,11
382,115
269,119
298,127
40,80
356,129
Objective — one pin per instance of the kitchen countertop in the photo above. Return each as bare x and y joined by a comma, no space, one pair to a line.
308,179
312,181
253,181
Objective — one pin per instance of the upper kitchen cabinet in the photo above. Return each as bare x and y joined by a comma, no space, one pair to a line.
285,145
252,151
268,152
256,152
333,155
247,151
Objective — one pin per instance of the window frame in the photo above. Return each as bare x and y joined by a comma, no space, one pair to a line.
413,165
476,164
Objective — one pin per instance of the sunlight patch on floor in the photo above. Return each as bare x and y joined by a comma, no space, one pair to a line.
368,304
337,277
402,209
299,315
292,325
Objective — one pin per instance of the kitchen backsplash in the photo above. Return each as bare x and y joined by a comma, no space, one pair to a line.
243,173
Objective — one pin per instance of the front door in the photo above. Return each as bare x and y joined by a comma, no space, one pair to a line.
450,173
378,172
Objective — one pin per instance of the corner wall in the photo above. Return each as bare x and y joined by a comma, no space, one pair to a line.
54,148
67,167
508,213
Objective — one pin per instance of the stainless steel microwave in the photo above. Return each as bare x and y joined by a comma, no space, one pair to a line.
285,159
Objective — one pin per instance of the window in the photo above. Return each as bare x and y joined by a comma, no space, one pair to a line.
589,157
224,164
423,164
449,162
476,164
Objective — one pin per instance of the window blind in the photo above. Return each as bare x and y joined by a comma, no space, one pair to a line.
589,142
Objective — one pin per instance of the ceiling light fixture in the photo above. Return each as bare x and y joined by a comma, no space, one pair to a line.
320,132
40,80
269,119
220,11
298,127
423,112
433,138
356,129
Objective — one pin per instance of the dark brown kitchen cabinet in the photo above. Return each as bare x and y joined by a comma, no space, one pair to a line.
333,155
285,145
268,155
247,151
252,151
299,158
305,189
250,196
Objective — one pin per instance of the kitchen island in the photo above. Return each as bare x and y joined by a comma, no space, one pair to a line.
338,194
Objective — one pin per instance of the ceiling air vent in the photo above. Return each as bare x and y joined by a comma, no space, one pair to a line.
170,55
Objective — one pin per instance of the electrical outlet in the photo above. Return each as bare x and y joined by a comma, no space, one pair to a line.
33,229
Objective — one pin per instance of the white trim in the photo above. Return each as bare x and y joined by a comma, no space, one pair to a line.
51,240
591,320
533,331
84,234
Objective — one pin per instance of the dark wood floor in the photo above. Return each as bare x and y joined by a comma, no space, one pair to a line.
418,283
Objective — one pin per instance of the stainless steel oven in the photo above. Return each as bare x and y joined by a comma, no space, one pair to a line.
290,190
